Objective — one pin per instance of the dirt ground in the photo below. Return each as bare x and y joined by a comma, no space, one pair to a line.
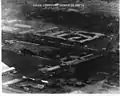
104,80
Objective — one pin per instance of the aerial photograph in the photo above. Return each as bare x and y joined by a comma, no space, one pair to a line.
60,46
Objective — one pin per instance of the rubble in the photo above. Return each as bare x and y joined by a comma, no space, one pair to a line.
47,59
50,52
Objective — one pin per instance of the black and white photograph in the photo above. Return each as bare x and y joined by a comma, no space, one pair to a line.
60,46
